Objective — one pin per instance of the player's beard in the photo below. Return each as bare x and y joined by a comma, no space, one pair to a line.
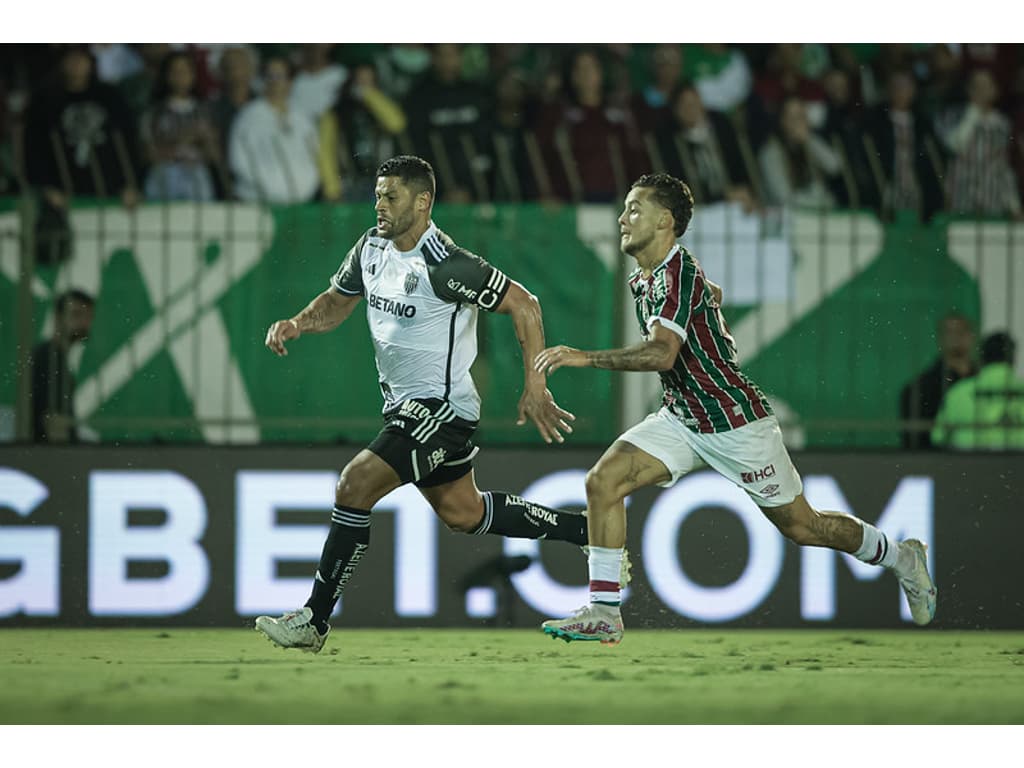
399,224
636,245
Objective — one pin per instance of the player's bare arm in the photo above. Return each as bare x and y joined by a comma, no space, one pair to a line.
656,354
537,403
324,313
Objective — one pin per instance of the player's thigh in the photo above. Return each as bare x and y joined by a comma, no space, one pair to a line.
654,452
755,458
457,502
365,480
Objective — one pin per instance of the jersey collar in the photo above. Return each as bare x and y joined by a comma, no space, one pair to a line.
431,231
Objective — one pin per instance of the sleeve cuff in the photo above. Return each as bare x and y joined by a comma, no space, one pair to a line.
670,324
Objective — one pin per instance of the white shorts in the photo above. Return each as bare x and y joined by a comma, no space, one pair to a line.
752,456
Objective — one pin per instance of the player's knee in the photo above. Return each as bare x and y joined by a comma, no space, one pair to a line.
597,483
459,519
351,490
792,523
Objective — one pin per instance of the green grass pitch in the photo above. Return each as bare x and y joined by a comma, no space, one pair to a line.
198,676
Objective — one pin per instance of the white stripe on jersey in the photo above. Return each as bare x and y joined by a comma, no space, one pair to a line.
435,247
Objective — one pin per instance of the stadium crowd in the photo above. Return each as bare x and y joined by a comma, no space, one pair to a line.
895,127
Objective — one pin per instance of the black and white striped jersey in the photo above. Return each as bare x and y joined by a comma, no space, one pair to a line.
421,309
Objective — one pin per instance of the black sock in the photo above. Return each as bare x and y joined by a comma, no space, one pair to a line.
513,516
347,542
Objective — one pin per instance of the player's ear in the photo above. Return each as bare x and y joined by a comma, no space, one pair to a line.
423,201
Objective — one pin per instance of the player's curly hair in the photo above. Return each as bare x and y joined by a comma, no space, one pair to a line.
415,172
670,193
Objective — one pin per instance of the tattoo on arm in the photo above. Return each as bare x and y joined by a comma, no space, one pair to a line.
325,313
645,356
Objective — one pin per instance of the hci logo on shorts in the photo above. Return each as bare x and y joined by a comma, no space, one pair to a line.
759,475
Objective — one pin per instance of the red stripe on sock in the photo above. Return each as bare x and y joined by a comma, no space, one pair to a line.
604,586
877,557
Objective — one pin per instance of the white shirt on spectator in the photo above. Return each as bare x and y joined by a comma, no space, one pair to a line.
273,156
315,92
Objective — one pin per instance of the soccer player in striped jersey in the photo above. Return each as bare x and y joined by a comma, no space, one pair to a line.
712,415
422,295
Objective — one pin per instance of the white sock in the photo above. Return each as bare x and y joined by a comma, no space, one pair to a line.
604,564
876,548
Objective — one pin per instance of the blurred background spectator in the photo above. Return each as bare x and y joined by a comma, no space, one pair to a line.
921,398
274,147
53,384
357,134
985,412
237,66
318,80
721,74
447,126
80,137
178,135
903,152
798,167
980,178
701,146
590,146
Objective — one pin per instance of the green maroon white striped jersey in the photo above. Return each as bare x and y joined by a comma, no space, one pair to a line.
421,306
705,387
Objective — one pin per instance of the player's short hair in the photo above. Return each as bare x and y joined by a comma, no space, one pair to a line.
75,294
670,193
415,172
998,348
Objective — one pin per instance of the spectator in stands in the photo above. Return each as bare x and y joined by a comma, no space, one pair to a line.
178,136
318,81
274,148
53,385
701,146
986,412
590,146
79,137
652,103
781,80
357,135
798,166
447,127
944,87
721,74
844,131
921,398
137,89
115,62
237,71
401,65
516,160
903,153
980,178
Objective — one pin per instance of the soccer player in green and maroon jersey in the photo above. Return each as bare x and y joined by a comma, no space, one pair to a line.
711,415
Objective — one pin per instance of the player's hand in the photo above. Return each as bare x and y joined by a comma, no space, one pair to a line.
279,333
553,358
538,405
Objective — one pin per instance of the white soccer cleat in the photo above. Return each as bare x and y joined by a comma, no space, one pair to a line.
293,630
593,621
917,583
625,569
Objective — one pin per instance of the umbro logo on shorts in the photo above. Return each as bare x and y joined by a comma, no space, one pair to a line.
769,490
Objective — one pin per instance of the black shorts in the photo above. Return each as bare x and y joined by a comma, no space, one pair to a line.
425,442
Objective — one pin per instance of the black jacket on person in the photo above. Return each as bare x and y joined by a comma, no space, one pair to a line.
81,132
669,138
921,399
53,387
880,128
